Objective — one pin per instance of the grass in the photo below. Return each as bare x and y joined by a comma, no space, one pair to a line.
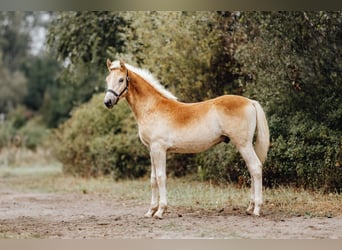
183,192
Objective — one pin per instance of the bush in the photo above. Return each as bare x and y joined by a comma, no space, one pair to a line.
309,156
221,164
22,130
7,132
97,141
33,134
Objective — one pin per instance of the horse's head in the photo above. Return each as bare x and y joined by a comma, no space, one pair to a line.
117,82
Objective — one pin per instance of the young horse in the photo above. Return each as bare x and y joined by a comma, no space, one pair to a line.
166,125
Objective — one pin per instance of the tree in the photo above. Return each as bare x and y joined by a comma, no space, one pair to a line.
80,41
12,88
184,50
14,41
41,73
13,49
16,61
85,37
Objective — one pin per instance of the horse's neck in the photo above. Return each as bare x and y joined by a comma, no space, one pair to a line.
141,96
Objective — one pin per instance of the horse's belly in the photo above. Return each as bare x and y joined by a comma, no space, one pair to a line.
191,139
195,145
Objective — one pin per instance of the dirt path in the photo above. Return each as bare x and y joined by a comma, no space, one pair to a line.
77,216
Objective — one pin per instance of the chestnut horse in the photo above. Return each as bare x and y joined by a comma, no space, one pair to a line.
167,125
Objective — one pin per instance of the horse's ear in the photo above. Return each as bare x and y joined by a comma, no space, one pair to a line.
122,64
109,63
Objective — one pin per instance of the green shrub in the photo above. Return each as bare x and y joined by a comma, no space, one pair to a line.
7,132
33,133
310,156
97,141
219,164
22,130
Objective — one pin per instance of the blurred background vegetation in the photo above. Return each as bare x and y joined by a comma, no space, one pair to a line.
52,68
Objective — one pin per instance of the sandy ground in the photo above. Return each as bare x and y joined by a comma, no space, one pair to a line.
78,216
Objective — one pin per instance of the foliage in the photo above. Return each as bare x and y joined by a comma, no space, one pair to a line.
96,141
84,37
296,59
14,45
289,61
12,88
184,50
7,132
27,79
221,164
66,93
80,40
14,39
41,73
20,130
309,157
33,134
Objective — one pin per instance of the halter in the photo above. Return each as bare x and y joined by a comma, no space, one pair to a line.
120,94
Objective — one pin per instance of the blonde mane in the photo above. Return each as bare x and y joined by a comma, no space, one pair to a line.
148,77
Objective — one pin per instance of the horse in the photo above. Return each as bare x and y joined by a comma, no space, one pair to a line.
168,125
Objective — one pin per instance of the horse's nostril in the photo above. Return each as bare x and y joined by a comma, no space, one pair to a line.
108,103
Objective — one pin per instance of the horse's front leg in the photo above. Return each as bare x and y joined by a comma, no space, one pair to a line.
154,187
158,159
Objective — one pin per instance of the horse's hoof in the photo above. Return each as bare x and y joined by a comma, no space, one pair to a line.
252,213
158,216
250,209
249,212
149,213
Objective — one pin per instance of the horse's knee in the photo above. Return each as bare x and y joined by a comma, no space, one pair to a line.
161,179
154,183
256,171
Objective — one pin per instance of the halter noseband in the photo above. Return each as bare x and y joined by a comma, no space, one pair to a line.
120,94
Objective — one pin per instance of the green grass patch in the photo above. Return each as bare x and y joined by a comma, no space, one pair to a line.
182,192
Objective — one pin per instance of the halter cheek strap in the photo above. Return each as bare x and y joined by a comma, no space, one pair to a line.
120,94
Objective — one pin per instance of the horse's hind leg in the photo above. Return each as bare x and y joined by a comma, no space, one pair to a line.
255,169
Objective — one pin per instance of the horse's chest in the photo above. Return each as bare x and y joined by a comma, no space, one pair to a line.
149,134
155,133
145,139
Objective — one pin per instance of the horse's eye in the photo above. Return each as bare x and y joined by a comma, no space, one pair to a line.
121,80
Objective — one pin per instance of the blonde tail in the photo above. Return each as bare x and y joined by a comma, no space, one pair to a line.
263,135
